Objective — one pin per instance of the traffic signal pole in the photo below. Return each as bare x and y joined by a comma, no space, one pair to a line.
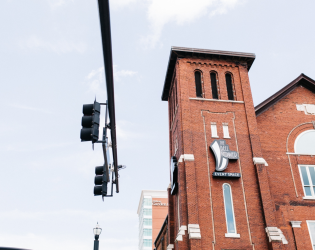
91,115
108,66
106,169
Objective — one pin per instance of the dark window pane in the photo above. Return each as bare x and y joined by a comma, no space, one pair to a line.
198,84
214,86
228,79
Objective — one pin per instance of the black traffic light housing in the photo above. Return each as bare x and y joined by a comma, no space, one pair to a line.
90,122
90,132
101,179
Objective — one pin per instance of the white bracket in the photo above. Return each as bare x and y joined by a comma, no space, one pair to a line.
170,247
275,234
180,234
186,157
194,231
296,223
259,160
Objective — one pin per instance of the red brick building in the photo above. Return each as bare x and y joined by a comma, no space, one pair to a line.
241,177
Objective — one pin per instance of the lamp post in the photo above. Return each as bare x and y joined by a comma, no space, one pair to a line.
97,231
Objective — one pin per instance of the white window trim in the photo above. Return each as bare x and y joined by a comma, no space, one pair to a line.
309,231
214,135
178,212
176,145
226,136
233,235
229,235
309,179
308,198
297,139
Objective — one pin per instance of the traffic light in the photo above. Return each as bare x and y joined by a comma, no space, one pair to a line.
90,122
101,180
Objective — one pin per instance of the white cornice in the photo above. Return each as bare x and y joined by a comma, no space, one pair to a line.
152,194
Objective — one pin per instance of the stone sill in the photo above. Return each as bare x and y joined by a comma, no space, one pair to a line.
214,100
309,198
232,235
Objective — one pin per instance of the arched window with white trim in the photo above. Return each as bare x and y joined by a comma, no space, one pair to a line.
305,143
229,212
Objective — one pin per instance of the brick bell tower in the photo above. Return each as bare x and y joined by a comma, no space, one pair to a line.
219,195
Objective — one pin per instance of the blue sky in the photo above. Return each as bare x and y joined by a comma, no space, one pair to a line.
51,64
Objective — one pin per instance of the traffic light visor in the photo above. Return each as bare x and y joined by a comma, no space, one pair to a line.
98,180
97,190
86,134
87,121
88,109
99,170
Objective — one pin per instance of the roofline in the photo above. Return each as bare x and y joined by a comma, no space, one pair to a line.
213,52
153,194
302,79
188,52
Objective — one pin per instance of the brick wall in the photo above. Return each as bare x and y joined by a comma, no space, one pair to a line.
266,196
279,127
200,197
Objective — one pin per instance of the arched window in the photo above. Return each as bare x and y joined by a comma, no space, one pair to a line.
229,210
305,143
214,86
229,86
198,84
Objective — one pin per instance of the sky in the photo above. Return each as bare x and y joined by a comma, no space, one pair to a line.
51,64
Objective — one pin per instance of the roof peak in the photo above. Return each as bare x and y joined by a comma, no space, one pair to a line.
301,80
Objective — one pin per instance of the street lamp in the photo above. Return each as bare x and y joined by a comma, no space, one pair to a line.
97,231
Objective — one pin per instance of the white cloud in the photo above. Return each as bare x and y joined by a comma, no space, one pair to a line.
96,81
96,78
19,106
120,74
59,46
58,3
162,12
121,3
